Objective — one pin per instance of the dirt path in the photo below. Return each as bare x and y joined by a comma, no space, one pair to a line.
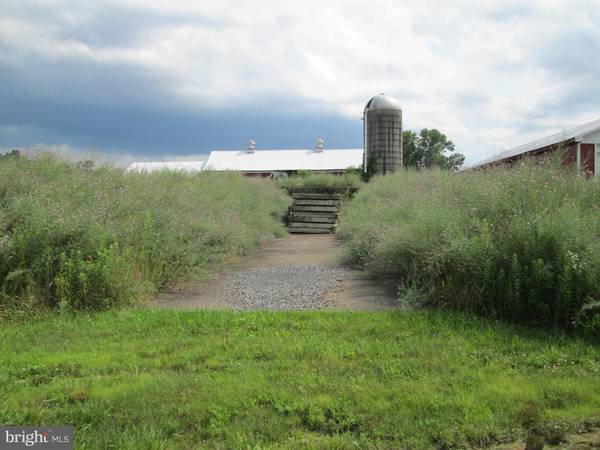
298,272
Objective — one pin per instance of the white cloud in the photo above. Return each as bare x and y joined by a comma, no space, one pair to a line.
469,69
114,158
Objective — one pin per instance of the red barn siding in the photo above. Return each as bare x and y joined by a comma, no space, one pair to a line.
587,158
570,155
541,155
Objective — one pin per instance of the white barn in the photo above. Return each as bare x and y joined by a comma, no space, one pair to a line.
264,162
267,162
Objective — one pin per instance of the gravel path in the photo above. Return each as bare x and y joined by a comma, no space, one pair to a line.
284,287
298,272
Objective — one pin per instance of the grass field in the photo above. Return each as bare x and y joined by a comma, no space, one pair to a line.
135,379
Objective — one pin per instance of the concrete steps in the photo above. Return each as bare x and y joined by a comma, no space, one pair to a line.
313,213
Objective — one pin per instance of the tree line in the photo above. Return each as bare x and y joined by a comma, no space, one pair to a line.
428,149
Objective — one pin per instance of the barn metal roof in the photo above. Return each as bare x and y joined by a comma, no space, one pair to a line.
576,133
284,160
182,166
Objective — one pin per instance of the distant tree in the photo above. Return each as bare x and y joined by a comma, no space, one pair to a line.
453,161
430,148
411,155
12,154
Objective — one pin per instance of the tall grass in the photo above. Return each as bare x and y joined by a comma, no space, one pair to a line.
350,180
82,238
522,244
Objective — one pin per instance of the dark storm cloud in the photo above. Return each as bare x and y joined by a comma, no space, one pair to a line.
82,81
150,128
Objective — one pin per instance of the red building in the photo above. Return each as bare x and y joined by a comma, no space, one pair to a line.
580,146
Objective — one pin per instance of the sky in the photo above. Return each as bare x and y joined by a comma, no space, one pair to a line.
156,80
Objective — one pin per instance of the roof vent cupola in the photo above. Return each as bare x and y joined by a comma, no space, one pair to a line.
319,145
251,146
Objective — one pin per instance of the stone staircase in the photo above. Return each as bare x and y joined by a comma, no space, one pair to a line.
314,213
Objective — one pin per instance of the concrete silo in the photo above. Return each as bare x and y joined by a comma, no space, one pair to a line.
382,130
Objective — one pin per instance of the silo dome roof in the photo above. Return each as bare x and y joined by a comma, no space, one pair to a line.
382,101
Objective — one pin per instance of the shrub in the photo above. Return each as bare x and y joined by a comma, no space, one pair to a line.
522,244
89,238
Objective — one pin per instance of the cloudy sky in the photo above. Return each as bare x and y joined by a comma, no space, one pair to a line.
150,78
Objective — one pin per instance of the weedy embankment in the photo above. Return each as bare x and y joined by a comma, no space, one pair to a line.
520,244
77,237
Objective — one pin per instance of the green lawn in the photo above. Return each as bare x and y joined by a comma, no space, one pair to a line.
164,379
